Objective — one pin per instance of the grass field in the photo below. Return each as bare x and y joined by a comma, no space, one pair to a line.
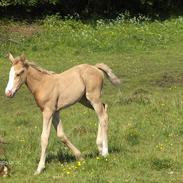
146,111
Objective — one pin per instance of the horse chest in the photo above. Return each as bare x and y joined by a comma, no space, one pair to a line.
44,99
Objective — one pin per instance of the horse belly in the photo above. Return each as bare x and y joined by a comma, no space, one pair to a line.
70,93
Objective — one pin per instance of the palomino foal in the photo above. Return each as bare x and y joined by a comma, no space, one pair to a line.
53,92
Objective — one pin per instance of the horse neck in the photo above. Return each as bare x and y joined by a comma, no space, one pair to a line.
34,79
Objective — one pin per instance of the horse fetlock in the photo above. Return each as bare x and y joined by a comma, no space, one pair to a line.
99,142
62,137
100,150
40,168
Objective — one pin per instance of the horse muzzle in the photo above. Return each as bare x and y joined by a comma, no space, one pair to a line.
9,93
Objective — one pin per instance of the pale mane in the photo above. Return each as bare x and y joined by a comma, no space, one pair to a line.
32,64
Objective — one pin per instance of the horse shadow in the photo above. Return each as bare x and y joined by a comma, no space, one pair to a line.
64,157
61,157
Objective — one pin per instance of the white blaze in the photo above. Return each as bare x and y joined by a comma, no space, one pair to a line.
10,84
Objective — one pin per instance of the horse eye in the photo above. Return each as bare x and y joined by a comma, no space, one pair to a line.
18,74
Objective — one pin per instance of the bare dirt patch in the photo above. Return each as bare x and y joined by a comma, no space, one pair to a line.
15,33
168,79
25,30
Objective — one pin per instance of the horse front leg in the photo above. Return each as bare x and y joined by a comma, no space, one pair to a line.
47,118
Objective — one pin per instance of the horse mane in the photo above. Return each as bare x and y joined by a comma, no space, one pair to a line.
40,69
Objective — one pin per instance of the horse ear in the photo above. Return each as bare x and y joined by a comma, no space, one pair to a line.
11,58
22,57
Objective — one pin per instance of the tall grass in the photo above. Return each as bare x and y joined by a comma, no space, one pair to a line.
119,35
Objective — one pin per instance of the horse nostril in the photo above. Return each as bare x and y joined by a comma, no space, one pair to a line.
9,93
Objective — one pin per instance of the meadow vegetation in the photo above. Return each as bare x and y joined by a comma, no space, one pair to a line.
146,125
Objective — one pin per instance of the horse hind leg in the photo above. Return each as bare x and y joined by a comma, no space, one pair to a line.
104,131
101,111
61,135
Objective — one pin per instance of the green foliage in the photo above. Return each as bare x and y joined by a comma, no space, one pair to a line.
4,3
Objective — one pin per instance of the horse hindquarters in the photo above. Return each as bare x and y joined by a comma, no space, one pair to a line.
94,83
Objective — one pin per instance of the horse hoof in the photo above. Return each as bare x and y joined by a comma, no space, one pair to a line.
105,154
81,158
37,172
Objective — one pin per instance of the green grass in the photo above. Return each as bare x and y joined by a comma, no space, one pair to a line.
146,125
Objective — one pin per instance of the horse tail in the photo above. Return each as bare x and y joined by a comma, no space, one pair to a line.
110,75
